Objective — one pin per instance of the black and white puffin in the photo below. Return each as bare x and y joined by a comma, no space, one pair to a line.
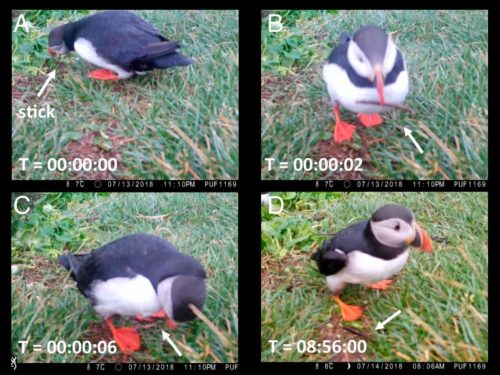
366,67
119,42
139,275
370,252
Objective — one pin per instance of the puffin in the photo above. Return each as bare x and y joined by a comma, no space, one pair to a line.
139,275
118,41
370,252
365,67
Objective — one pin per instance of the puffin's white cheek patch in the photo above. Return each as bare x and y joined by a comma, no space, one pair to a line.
165,296
390,57
358,60
385,232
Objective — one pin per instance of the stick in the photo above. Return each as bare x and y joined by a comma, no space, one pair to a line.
210,325
392,105
58,63
356,332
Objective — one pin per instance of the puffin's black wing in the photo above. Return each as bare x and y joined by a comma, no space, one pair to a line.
359,237
330,261
126,40
120,22
160,55
332,256
155,50
138,254
141,24
355,237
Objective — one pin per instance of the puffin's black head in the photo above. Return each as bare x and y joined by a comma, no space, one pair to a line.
395,226
390,211
372,54
372,41
56,41
178,292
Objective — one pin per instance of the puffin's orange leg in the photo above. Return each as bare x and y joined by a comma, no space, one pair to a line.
349,312
370,120
157,315
170,323
142,318
127,338
343,131
381,285
103,74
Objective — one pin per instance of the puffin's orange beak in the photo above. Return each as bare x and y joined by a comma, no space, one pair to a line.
426,240
51,53
380,84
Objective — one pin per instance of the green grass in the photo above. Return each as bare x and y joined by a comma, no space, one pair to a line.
443,295
179,123
46,304
447,57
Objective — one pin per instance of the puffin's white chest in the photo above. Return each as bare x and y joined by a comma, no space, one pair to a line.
363,268
125,296
342,90
85,49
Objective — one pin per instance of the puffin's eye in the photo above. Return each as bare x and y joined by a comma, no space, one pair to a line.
397,227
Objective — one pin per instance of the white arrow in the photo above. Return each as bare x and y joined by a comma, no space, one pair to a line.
408,134
381,325
51,76
166,336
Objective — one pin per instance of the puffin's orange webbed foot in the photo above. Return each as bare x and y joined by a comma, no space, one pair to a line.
349,312
343,131
370,120
103,75
381,285
127,338
159,315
